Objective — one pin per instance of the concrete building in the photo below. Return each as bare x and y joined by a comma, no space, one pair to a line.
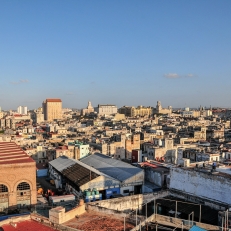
17,178
201,182
22,110
107,109
79,149
52,109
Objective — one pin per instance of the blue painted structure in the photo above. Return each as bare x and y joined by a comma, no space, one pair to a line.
197,228
41,172
112,191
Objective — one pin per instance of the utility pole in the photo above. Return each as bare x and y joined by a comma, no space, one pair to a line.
136,217
176,210
146,210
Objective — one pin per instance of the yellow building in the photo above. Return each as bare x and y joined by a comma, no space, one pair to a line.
132,111
52,109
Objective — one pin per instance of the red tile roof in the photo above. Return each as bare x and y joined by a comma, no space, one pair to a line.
53,100
11,153
27,226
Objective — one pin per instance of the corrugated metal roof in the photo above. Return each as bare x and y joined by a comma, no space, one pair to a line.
111,167
79,174
62,163
197,228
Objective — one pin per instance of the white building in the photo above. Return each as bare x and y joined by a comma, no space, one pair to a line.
107,109
22,110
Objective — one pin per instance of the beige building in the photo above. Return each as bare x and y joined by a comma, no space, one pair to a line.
17,178
52,109
1,114
132,111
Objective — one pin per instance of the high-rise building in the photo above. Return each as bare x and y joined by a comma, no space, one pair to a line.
22,110
52,109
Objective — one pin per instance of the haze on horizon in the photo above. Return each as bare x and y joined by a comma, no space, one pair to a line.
115,52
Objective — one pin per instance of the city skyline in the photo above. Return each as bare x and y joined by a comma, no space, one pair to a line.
123,53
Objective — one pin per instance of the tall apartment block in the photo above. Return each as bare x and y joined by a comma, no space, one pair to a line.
22,110
52,109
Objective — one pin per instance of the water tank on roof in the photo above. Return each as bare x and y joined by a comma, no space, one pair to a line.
88,193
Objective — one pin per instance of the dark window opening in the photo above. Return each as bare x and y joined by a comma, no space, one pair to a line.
3,188
23,186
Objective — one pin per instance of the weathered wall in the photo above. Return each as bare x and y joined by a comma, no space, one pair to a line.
154,177
201,184
129,202
59,216
105,210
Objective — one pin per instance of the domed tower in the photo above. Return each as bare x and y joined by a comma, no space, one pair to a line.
89,104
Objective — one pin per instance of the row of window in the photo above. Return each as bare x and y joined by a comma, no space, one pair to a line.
22,186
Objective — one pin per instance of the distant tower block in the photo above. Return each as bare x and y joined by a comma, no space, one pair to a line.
158,106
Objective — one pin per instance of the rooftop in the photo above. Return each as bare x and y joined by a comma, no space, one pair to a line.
53,100
98,222
11,153
26,226
111,167
62,163
79,174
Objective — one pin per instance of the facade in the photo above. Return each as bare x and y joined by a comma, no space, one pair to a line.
1,114
17,178
107,109
132,111
201,183
52,109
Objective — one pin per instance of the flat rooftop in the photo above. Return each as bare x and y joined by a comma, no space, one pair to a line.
95,221
27,226
11,153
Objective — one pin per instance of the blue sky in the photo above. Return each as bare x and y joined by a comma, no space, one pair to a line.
115,52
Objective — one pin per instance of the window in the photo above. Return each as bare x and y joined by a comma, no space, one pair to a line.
23,186
3,188
126,191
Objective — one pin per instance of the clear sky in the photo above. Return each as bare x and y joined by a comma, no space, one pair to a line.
123,52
